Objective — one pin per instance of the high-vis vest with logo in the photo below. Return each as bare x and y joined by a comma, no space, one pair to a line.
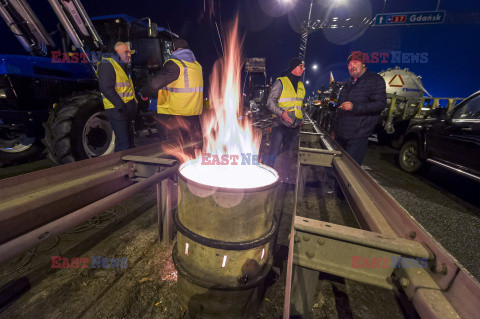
184,96
123,85
289,99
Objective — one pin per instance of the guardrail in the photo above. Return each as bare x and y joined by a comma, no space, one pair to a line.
39,205
444,289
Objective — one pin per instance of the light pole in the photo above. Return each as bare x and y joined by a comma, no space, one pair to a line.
305,30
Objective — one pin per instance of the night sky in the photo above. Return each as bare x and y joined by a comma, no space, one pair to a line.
271,28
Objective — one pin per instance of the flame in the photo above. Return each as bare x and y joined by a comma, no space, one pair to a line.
225,130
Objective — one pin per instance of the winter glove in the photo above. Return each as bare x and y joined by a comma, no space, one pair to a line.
286,118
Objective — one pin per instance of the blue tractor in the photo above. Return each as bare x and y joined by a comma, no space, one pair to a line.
49,100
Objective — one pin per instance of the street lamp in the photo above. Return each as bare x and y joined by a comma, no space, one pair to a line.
307,82
315,67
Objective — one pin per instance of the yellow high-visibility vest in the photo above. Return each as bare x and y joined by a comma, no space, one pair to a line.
184,96
123,85
289,99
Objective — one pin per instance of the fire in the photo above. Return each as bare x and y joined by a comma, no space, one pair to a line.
225,131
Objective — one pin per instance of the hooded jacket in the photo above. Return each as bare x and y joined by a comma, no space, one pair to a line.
167,74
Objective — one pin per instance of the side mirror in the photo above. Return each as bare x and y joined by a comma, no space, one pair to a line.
152,29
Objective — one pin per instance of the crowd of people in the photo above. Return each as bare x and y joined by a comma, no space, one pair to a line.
178,89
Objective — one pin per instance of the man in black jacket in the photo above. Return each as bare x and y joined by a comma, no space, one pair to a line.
361,100
120,114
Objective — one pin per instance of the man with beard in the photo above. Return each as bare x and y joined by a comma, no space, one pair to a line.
361,100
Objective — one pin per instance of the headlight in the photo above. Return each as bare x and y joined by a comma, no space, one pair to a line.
3,94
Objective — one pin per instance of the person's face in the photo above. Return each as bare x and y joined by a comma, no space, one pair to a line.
124,53
356,68
298,71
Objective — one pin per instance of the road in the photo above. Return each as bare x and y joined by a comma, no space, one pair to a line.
446,204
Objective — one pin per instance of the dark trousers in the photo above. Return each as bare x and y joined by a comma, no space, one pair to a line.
123,130
356,147
283,138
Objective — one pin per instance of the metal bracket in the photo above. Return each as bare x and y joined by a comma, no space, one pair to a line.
142,167
316,157
351,253
310,137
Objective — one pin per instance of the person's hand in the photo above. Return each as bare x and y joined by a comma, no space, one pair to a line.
286,118
346,106
333,135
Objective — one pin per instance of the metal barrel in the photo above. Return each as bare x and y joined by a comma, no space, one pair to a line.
223,250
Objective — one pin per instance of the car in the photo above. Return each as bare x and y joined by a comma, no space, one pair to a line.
450,139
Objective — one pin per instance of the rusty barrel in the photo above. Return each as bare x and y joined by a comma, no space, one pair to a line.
223,249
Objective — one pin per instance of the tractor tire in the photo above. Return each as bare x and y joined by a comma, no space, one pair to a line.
409,157
77,129
18,148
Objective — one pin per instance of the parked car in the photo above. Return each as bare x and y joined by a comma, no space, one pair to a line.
448,139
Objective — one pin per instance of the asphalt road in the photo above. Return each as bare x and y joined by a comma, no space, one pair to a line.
446,204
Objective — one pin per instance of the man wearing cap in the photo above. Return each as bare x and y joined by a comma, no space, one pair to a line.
179,88
285,101
118,95
361,100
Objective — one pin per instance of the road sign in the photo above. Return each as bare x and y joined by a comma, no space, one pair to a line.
409,18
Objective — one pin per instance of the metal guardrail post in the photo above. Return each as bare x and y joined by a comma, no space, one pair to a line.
166,203
444,289
37,236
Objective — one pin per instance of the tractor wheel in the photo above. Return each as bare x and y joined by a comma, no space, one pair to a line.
18,148
77,129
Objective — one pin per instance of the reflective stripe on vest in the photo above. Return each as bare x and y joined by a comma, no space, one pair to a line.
184,90
123,85
125,94
184,96
291,99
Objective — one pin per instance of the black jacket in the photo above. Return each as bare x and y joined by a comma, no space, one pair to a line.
106,83
369,98
168,73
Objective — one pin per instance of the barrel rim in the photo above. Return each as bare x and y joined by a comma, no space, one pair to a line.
225,245
229,189
205,284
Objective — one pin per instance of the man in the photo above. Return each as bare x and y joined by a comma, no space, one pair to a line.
285,102
362,98
179,88
118,95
